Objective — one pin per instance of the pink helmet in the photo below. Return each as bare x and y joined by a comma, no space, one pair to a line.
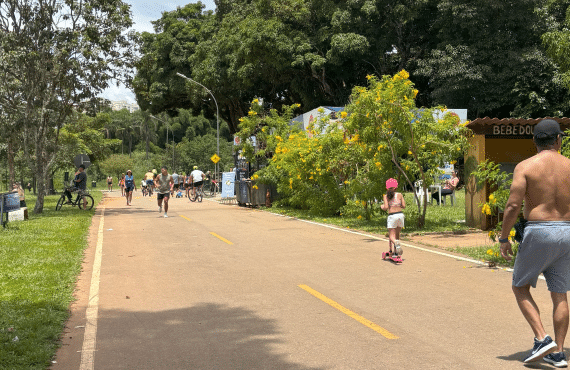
391,183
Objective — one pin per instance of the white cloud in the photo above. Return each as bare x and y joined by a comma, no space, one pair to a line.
143,13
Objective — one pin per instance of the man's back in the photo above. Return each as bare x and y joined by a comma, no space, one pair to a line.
148,176
82,184
547,196
197,175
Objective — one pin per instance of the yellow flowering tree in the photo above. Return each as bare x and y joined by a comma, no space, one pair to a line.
400,139
268,129
490,174
298,162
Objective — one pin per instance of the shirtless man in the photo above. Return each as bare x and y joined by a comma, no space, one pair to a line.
163,182
543,183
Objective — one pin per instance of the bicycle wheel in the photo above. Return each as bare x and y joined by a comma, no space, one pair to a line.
86,202
60,203
207,191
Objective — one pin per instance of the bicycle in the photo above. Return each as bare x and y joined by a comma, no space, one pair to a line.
82,201
212,189
199,195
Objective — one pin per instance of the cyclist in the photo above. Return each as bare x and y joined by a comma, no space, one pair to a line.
149,178
163,182
79,183
129,186
197,177
144,189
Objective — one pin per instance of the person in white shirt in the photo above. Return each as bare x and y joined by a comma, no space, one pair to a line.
197,178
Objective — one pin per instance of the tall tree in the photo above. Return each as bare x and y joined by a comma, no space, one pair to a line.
489,59
286,52
61,53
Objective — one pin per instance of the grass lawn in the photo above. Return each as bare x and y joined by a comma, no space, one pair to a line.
40,260
438,218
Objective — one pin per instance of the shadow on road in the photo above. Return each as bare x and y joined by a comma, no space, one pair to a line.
207,336
519,356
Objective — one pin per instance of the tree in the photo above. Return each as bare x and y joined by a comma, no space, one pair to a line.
116,164
286,52
489,60
61,54
396,135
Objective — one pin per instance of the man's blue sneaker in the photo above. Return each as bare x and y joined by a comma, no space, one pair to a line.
541,348
557,359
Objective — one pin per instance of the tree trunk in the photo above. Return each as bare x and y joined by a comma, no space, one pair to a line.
11,174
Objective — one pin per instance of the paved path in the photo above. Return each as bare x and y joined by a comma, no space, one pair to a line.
223,287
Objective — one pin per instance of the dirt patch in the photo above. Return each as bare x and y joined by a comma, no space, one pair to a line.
450,240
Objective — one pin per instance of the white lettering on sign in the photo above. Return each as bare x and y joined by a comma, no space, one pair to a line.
513,130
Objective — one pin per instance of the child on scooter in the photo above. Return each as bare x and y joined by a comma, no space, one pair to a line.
394,203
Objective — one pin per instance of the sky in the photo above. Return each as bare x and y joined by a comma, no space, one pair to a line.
143,13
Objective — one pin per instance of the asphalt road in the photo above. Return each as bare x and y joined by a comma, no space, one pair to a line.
224,287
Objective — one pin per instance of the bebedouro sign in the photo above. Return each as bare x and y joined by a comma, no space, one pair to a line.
513,130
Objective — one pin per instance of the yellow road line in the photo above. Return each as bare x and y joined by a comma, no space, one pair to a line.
186,218
385,333
222,239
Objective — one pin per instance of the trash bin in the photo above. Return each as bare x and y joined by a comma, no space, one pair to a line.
93,184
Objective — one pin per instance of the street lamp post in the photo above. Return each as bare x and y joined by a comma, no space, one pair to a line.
217,117
167,125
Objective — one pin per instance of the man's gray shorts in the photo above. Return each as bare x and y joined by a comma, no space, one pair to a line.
545,249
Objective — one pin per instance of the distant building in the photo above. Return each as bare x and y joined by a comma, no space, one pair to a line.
122,104
316,114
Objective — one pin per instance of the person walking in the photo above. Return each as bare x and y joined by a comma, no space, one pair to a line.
110,183
163,182
188,184
394,203
542,182
176,185
129,186
122,184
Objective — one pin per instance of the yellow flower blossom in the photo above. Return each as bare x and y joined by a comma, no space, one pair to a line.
359,217
254,187
343,114
486,209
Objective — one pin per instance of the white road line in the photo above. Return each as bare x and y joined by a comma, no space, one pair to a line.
470,260
90,336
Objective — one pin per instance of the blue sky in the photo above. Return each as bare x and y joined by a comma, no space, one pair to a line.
143,13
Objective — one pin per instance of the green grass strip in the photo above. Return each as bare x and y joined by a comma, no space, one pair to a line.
40,260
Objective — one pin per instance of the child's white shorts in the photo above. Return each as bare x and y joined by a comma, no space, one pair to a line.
395,220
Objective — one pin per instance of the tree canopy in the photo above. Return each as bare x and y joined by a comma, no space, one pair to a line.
484,56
